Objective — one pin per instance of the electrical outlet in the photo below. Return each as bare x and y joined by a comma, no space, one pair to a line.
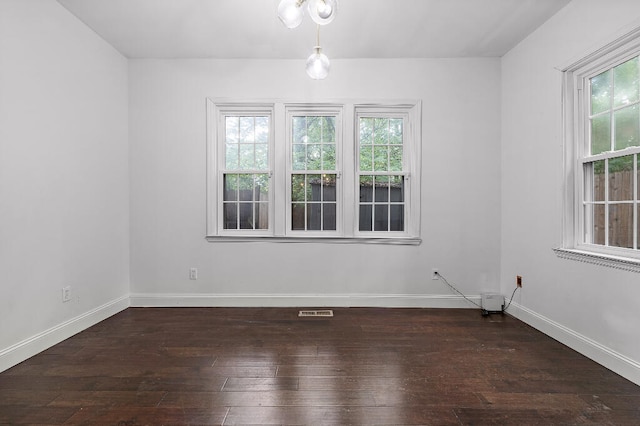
519,280
193,273
66,293
434,273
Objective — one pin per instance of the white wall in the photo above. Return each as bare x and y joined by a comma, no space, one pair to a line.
460,186
592,308
63,177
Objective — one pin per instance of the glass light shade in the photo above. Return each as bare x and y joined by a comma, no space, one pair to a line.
290,13
318,65
323,11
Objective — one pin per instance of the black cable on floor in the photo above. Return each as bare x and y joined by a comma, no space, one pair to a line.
443,279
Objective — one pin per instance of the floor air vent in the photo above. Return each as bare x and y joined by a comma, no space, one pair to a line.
321,313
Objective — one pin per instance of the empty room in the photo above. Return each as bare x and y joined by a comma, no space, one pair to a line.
415,212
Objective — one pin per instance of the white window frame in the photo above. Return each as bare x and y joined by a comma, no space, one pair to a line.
576,98
410,157
296,110
280,160
216,157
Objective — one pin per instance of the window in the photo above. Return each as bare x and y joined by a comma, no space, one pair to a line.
609,166
313,180
240,196
306,172
602,112
381,173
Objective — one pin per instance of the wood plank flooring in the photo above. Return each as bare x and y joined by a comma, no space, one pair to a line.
267,366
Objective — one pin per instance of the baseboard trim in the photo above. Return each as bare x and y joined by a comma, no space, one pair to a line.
27,348
302,300
601,354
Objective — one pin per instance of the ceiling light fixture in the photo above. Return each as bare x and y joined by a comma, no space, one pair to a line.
322,12
318,64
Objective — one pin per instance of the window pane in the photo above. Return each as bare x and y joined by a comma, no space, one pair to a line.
627,122
366,131
621,178
246,216
313,157
329,188
594,223
366,217
299,129
329,217
381,217
366,155
328,129
625,83
314,216
395,131
397,217
247,130
231,156
600,134
230,187
314,129
382,189
395,158
396,187
245,187
262,156
366,189
230,215
381,158
232,129
262,187
298,217
299,157
247,161
328,157
594,181
598,224
381,131
262,129
601,92
298,188
314,188
621,225
261,215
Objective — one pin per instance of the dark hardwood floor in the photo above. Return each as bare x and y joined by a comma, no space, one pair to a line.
266,366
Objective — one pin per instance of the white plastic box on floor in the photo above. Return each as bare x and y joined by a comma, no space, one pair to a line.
492,302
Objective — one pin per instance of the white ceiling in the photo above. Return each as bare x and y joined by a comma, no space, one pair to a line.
362,28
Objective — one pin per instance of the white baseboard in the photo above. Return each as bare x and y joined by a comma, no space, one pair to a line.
302,300
601,354
27,348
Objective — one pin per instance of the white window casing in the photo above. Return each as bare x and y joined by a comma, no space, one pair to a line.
578,239
343,173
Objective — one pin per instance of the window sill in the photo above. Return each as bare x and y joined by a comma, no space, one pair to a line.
610,261
410,241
